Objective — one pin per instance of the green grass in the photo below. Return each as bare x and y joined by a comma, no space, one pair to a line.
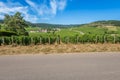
62,33
67,32
118,30
78,31
92,30
32,28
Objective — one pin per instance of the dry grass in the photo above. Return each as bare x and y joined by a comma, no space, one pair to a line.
63,48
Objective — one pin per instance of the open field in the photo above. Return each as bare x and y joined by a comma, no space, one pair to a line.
74,31
62,48
108,30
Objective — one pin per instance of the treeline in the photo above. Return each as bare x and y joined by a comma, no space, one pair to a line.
27,40
97,23
45,25
108,22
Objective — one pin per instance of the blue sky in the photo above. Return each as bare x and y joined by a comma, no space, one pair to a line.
62,11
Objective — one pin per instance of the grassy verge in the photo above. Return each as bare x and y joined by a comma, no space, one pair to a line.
63,48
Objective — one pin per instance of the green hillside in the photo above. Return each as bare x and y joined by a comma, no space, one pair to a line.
106,23
95,28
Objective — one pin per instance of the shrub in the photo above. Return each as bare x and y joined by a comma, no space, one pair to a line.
7,33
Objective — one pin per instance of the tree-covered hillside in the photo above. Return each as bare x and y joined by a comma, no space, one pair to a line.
106,23
93,24
47,25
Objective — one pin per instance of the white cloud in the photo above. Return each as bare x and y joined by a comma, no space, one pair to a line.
2,4
62,4
40,11
30,3
44,9
53,4
30,17
57,5
8,8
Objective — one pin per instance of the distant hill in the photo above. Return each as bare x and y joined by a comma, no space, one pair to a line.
93,24
105,23
46,25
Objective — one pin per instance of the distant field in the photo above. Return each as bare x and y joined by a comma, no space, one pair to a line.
72,31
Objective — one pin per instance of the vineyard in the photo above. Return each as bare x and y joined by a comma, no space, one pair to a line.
14,30
27,40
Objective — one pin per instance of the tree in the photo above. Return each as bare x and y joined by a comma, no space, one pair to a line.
15,23
0,26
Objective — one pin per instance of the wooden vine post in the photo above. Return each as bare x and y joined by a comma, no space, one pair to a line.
3,40
105,39
58,39
12,40
31,40
114,39
77,38
40,38
96,39
49,39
